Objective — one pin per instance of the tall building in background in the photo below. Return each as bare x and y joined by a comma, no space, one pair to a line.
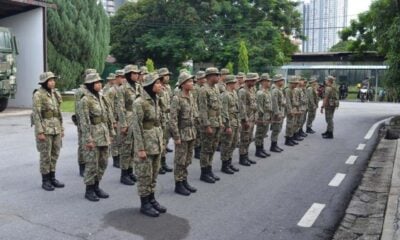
109,7
322,20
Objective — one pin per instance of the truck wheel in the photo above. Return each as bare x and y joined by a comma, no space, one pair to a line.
3,104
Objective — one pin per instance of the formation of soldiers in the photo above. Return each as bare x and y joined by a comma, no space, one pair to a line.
136,113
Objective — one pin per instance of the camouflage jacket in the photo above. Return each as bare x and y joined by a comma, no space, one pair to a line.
165,104
278,104
80,92
195,93
302,99
126,98
147,131
247,104
113,96
46,112
332,94
230,109
183,116
292,100
221,87
210,106
312,98
264,105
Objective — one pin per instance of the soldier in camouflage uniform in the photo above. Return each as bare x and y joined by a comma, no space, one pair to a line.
292,111
130,90
149,144
330,103
97,128
143,72
183,130
165,102
247,116
200,80
240,78
302,108
278,111
49,131
221,83
312,101
264,110
230,119
210,123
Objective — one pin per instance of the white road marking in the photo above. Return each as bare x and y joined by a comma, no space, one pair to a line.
351,160
373,128
337,180
311,215
361,146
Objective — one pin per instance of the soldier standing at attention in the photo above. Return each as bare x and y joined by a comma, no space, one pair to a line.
263,119
278,112
96,125
302,107
221,83
240,78
165,98
148,144
312,101
49,131
330,103
200,80
143,72
247,116
230,119
210,122
292,106
183,130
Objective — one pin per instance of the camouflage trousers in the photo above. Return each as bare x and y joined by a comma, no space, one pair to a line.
311,117
147,172
166,135
329,112
198,139
96,164
182,159
116,142
127,151
261,133
209,144
300,121
276,129
229,143
291,125
49,150
81,160
246,136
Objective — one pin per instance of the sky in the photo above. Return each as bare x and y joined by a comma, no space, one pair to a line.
357,6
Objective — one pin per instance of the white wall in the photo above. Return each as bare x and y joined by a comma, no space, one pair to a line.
28,29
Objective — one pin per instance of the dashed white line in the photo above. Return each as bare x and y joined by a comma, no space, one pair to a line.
311,215
351,160
361,146
337,180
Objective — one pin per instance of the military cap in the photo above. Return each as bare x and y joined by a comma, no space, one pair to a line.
265,76
332,78
252,76
212,71
200,74
46,76
163,71
119,72
183,77
241,74
278,77
312,80
183,70
90,70
230,79
131,68
92,78
111,76
293,79
144,70
150,79
224,71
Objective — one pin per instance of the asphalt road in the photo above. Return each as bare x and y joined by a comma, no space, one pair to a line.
265,201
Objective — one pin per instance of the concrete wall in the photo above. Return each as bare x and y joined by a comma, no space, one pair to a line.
28,29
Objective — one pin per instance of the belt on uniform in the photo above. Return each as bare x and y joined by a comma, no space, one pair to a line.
185,123
150,125
213,113
49,114
97,120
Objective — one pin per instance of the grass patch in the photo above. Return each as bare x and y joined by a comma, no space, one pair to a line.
68,104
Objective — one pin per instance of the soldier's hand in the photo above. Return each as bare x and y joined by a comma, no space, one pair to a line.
142,155
209,130
41,137
228,131
178,142
124,130
90,146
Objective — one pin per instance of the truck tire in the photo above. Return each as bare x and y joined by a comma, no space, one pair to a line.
3,104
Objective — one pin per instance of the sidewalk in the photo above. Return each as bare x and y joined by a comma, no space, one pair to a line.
9,112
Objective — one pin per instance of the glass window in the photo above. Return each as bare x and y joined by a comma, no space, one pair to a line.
5,40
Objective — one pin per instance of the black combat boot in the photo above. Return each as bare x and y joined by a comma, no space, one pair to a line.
125,179
205,177
188,186
264,151
161,171
55,182
302,133
243,160
81,169
147,209
324,133
288,142
225,168
180,189
46,183
99,192
197,152
235,169
328,135
115,161
249,160
309,130
291,139
259,152
90,194
297,137
273,147
156,205
132,176
168,150
218,147
164,165
280,149
211,174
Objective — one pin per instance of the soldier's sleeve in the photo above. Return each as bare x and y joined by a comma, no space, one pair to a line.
274,99
36,114
121,108
242,105
59,101
110,116
203,108
260,105
289,97
173,123
225,110
138,126
310,98
84,120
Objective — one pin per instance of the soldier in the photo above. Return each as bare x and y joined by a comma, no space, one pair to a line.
264,109
49,131
330,103
240,78
210,122
130,90
278,112
165,98
96,125
302,108
143,72
148,136
230,119
292,111
247,116
221,83
312,101
200,81
183,130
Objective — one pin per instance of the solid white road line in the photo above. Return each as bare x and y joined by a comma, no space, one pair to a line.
337,180
351,160
311,215
373,128
361,146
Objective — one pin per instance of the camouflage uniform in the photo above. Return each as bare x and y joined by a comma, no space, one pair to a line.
312,101
278,113
302,97
331,94
292,109
195,92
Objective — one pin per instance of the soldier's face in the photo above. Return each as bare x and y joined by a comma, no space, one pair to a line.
157,87
134,76
251,83
97,86
240,80
201,81
166,78
119,80
188,85
51,83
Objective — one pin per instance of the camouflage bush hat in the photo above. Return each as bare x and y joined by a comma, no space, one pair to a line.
183,77
230,79
90,70
131,68
150,79
183,70
265,77
92,78
332,78
241,74
163,72
144,70
200,74
212,71
46,76
278,77
252,77
111,76
294,80
312,80
224,71
119,72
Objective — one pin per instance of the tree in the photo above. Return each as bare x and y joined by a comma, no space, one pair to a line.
230,66
150,65
243,65
78,38
342,46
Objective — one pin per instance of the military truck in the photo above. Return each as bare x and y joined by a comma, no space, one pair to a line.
8,69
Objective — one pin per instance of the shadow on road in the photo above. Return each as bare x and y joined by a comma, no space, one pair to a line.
165,227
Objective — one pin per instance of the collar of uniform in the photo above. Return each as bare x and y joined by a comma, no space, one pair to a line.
45,91
181,94
147,96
